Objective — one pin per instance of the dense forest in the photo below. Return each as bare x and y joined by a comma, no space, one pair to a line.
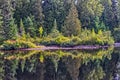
27,23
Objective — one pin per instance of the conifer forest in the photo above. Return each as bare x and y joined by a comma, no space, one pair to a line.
59,22
59,39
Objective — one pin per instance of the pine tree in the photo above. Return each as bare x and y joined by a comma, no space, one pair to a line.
107,13
116,13
10,28
22,30
39,17
13,31
29,26
99,25
1,28
41,31
88,10
48,11
54,33
72,24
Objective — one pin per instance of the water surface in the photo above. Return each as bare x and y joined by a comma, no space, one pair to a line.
102,64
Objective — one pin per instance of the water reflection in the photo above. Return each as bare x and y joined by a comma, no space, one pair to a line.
103,64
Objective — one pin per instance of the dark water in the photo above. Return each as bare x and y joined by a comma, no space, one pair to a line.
103,64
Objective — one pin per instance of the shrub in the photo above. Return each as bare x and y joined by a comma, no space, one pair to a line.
86,37
91,38
62,41
17,44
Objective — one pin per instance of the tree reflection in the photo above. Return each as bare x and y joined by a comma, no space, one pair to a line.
56,65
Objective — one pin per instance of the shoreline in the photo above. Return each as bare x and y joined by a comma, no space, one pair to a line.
79,47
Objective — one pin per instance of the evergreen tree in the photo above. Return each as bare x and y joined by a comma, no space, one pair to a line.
13,31
38,12
61,10
23,9
54,32
107,13
29,27
116,13
72,24
48,11
41,31
10,28
22,30
88,10
1,27
98,25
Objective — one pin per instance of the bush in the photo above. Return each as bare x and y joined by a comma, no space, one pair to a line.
86,37
17,44
59,41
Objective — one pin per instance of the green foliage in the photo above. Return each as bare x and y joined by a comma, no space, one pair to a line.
22,30
17,44
1,29
86,37
91,38
29,27
98,25
54,32
55,9
10,28
72,24
37,11
88,10
116,34
63,22
41,31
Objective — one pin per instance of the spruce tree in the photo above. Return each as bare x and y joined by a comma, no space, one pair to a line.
22,29
1,28
107,13
10,28
99,25
88,10
48,11
54,32
116,13
29,26
72,24
38,12
41,31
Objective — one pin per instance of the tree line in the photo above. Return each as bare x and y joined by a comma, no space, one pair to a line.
69,17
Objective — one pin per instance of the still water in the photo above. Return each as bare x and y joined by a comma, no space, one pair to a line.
102,64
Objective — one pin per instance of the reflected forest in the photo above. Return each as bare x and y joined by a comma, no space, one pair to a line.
102,64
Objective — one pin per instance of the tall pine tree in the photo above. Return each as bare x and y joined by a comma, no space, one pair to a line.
22,29
29,27
72,24
116,13
54,32
1,28
10,28
39,17
107,13
88,10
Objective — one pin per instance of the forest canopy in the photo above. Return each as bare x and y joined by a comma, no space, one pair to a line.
54,18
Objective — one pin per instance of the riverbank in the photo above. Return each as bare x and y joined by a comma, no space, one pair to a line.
60,42
81,47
